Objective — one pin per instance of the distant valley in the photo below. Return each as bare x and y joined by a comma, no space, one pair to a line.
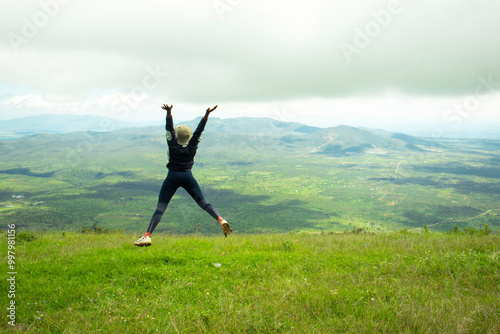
262,174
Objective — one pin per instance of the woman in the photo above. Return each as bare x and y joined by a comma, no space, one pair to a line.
182,146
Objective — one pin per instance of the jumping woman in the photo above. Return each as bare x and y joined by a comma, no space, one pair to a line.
182,146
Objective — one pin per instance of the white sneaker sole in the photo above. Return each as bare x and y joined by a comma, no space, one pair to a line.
145,244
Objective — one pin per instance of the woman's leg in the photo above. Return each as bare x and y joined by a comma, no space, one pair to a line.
193,189
168,189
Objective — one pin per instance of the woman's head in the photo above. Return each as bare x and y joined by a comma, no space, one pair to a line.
183,134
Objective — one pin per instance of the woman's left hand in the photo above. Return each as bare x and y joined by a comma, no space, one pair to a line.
167,107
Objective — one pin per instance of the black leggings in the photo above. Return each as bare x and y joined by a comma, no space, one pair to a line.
173,181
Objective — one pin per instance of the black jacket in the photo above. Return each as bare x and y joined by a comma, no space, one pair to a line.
181,157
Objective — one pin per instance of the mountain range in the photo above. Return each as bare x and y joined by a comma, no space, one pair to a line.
236,134
66,123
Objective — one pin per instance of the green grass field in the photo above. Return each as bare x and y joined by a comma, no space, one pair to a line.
398,282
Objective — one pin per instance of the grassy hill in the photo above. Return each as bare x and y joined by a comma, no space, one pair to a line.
276,177
396,282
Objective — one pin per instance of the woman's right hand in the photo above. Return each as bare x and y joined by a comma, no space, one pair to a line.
209,110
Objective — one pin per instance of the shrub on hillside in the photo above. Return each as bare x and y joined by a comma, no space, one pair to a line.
95,229
471,231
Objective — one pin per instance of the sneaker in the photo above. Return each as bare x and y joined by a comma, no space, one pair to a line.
143,241
225,227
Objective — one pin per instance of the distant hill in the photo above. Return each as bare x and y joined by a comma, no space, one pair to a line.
56,124
274,137
253,126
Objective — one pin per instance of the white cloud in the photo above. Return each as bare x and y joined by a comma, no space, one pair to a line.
254,55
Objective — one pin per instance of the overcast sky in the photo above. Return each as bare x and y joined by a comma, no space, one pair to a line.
385,64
